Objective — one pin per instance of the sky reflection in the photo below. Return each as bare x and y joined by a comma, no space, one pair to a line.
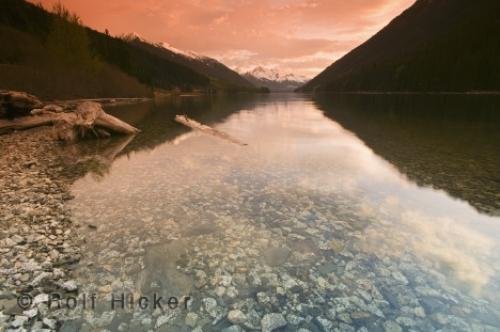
297,159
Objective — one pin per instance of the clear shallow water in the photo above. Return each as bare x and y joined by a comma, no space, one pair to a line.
309,220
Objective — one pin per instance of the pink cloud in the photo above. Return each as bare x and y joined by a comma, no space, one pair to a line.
296,34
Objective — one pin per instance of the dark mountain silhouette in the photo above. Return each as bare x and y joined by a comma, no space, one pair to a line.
207,66
55,56
435,45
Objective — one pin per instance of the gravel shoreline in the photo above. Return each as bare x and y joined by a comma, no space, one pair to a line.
39,243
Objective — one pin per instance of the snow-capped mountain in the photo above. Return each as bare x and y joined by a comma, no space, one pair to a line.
135,37
274,79
189,54
273,74
202,64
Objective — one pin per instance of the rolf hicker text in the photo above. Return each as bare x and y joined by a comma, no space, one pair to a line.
118,301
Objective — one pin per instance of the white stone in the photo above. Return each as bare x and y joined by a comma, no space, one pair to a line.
50,323
40,298
236,317
69,285
31,313
18,321
191,319
271,322
209,304
162,320
325,323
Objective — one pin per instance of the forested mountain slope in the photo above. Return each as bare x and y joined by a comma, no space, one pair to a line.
435,45
53,55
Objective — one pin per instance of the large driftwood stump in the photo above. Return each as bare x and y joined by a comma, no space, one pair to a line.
88,120
14,103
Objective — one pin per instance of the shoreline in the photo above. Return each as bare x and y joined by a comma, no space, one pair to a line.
39,242
431,93
104,101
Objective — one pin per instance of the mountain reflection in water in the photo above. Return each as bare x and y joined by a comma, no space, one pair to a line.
317,218
448,142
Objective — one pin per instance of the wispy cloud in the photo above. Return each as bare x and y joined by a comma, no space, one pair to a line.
298,34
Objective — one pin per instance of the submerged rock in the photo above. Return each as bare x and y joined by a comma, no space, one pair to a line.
19,321
271,322
336,245
391,326
164,319
191,319
69,286
324,324
236,317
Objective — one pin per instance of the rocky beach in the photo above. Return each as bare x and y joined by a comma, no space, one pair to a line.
256,241
39,242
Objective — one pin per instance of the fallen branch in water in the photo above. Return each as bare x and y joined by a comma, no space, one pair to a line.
183,119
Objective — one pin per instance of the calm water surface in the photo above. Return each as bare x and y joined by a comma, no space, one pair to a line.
342,213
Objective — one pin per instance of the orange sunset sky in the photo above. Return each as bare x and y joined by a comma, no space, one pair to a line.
300,36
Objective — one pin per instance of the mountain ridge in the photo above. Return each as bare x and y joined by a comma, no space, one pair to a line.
205,65
54,55
434,45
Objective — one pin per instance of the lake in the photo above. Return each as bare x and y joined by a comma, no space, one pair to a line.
349,213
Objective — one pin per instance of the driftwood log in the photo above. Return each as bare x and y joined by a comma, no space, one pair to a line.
89,119
183,119
15,103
